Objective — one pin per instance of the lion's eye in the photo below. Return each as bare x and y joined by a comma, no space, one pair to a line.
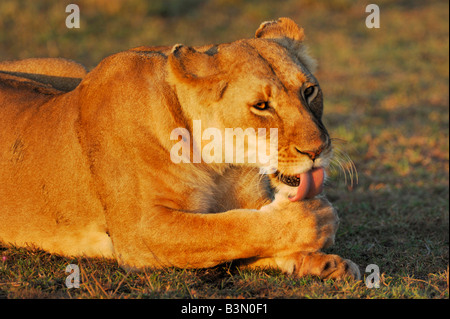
261,106
309,92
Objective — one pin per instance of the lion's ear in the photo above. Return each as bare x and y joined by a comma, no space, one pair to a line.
189,64
282,28
198,70
287,33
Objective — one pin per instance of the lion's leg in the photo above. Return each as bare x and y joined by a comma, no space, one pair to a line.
300,264
190,240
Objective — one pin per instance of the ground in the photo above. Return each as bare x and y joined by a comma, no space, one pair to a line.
386,106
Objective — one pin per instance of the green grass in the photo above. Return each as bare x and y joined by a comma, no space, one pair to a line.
30,273
386,95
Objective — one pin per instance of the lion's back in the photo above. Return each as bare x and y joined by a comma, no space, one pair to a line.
57,73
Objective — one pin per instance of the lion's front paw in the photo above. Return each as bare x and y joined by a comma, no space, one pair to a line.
318,224
309,225
327,266
318,264
326,223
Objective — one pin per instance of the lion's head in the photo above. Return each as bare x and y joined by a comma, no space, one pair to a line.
265,82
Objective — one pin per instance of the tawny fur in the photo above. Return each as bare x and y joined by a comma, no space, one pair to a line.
60,74
86,169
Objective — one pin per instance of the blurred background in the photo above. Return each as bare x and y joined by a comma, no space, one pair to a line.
386,96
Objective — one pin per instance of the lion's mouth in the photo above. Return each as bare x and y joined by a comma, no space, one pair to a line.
309,184
290,180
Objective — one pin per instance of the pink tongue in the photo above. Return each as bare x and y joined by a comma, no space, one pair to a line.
311,184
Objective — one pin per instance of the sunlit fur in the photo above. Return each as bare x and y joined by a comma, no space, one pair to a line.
85,168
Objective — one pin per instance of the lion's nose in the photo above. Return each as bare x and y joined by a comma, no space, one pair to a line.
312,154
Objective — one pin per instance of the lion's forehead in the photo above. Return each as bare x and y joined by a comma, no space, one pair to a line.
287,68
271,61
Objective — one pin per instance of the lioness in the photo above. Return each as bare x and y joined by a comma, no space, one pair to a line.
86,169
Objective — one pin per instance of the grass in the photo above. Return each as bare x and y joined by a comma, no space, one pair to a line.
31,273
386,96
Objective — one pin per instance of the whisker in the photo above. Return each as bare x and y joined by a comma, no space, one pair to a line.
343,161
341,168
